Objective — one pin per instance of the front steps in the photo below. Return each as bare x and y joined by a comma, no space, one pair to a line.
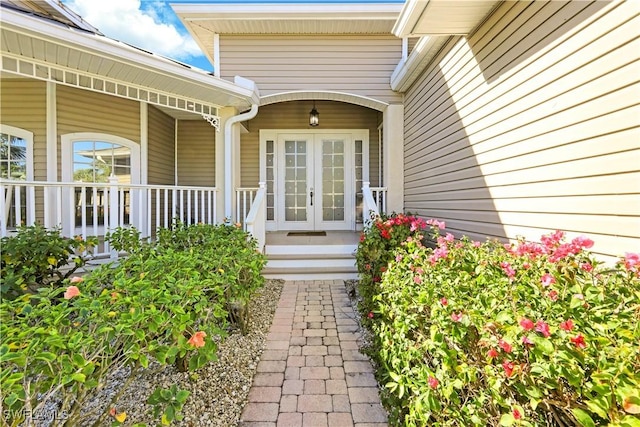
329,257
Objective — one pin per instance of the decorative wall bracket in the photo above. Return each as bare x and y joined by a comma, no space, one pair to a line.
213,120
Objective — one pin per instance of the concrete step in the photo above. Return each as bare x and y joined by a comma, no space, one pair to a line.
310,262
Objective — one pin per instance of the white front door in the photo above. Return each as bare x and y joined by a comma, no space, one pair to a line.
314,181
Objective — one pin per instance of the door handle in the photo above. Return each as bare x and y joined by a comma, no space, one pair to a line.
311,194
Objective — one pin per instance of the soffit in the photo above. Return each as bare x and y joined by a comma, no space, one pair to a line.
442,17
52,43
205,20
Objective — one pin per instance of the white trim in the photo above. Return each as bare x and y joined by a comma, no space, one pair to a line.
28,138
325,95
351,134
52,133
175,152
408,70
279,11
144,143
216,55
67,152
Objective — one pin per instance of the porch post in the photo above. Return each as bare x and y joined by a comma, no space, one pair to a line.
393,156
50,218
221,175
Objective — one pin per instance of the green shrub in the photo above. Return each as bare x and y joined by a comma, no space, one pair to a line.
163,302
527,334
36,257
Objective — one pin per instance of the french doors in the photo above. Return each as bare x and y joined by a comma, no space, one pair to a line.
311,179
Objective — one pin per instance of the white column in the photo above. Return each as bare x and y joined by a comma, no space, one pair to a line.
393,156
221,174
50,219
144,215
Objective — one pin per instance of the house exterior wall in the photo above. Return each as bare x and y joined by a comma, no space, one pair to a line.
196,153
23,104
295,115
161,147
352,64
532,124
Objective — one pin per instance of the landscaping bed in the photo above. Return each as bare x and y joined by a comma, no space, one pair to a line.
178,324
487,334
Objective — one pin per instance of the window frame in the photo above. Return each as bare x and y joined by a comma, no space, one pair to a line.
28,138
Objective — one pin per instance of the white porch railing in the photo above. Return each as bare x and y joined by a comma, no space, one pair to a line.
93,209
374,202
244,199
256,220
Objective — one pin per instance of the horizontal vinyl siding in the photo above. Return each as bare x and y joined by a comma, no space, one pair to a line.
295,115
532,124
161,147
357,65
196,153
23,104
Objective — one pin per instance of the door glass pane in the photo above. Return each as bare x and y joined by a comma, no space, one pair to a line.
333,180
295,181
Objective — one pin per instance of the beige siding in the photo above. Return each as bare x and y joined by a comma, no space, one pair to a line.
161,147
196,153
357,65
23,104
295,115
532,124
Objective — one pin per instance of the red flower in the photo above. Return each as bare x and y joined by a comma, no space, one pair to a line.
492,353
385,234
456,317
417,279
567,325
526,324
579,341
543,328
505,346
362,237
376,279
526,340
433,382
383,269
582,242
370,315
197,340
516,414
444,301
586,267
553,295
508,368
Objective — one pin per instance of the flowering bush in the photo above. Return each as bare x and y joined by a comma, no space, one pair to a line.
36,257
524,334
375,250
60,344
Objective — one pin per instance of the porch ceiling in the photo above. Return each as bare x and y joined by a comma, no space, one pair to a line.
52,44
441,17
204,20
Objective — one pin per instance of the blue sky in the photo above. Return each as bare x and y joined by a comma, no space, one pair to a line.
152,25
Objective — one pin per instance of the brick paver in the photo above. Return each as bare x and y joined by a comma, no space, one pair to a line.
311,373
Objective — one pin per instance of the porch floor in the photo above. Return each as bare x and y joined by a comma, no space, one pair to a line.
311,372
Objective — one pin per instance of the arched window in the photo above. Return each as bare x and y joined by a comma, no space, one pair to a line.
92,158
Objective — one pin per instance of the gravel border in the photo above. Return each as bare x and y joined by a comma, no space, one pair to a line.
219,390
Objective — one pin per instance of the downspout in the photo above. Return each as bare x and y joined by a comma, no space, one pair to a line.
228,157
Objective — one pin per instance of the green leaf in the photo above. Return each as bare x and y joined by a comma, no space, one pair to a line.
507,420
543,344
599,405
182,396
583,417
79,377
630,421
46,356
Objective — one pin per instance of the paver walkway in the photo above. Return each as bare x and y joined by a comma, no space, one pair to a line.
311,373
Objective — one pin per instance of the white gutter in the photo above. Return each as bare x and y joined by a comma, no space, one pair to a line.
228,144
421,56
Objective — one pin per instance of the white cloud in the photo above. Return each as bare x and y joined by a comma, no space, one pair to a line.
124,20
